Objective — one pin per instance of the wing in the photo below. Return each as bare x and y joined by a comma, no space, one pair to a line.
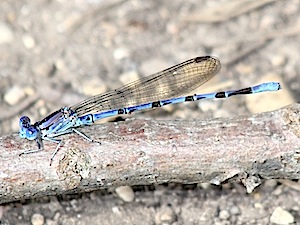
174,81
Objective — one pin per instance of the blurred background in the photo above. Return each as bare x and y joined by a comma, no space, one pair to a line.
56,53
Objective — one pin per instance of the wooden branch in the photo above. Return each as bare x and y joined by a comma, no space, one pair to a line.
142,152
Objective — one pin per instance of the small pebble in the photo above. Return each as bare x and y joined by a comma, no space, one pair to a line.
51,222
224,215
271,183
116,210
218,223
14,95
204,186
121,53
56,216
281,216
29,90
125,193
257,205
165,216
251,183
234,210
75,205
60,64
7,35
37,219
28,41
172,28
42,69
278,60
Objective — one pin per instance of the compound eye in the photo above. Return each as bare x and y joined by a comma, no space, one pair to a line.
24,121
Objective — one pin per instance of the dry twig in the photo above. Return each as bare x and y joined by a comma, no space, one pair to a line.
142,152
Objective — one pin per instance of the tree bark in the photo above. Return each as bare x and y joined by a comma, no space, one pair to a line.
143,152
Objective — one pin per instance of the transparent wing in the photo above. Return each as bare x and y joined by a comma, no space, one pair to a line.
172,82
